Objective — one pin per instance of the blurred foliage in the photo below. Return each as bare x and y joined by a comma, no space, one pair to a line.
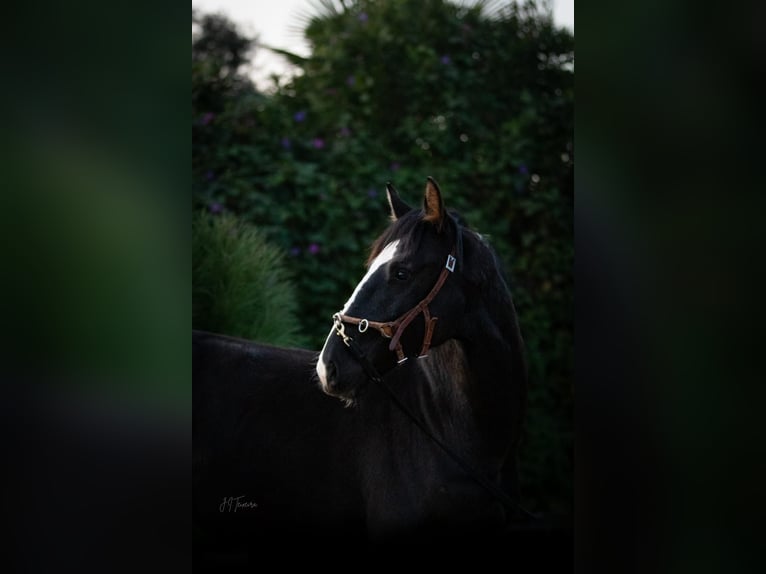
240,285
481,97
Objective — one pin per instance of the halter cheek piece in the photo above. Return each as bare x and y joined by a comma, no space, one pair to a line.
395,329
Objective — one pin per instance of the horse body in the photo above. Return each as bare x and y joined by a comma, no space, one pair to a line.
265,431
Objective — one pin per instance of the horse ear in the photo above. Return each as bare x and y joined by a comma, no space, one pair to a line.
433,206
398,207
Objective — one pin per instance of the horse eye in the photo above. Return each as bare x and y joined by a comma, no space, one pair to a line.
402,274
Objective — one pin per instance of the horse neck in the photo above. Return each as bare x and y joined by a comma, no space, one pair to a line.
459,392
494,349
494,353
400,466
441,396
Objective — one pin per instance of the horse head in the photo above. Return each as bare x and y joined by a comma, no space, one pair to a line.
412,297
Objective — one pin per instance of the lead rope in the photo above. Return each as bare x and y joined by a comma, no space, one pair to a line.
375,377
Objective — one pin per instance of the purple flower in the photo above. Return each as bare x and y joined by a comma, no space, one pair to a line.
215,207
286,143
207,118
350,81
395,166
314,248
372,192
363,17
318,143
445,60
299,116
295,251
523,169
344,132
209,175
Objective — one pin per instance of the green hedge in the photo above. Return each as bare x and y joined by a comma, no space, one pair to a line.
481,98
240,285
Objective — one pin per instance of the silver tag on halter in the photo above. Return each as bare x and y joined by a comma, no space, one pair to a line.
363,325
450,263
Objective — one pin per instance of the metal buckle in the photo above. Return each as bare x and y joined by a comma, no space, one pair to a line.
340,329
450,263
363,325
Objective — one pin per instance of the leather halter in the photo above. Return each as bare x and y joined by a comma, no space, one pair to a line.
395,329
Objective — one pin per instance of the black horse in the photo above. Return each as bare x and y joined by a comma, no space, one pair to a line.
274,456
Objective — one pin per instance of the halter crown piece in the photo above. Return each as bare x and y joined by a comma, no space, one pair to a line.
395,329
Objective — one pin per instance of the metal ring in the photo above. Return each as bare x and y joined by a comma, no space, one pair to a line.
363,325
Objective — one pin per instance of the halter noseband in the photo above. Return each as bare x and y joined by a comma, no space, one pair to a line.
395,329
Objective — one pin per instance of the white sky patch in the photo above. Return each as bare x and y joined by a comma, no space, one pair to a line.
279,24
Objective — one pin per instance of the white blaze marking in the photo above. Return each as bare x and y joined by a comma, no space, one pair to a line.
383,257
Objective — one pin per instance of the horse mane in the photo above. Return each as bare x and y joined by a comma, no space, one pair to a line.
487,272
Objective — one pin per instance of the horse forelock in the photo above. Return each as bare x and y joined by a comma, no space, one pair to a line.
405,229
